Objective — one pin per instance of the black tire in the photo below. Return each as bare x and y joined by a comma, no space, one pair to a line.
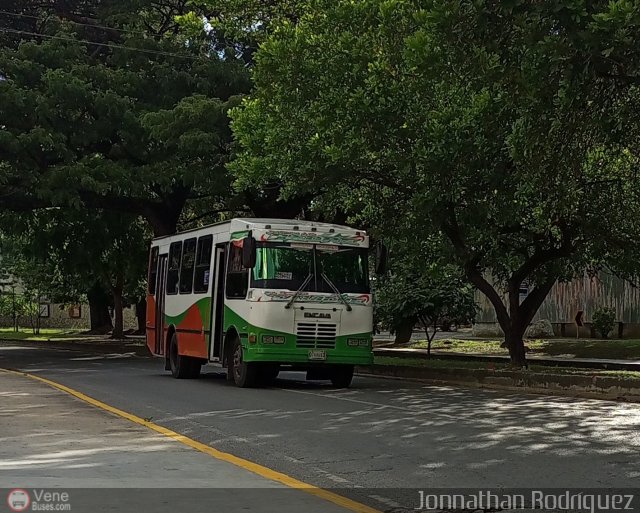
182,367
269,373
341,376
245,375
228,348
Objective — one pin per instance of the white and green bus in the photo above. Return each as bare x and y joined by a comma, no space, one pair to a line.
259,295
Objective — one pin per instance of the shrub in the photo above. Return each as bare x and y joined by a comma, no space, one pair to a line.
603,319
433,294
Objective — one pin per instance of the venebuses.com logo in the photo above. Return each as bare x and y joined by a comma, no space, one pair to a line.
18,500
38,500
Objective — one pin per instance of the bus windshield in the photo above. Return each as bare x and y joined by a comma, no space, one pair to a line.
286,266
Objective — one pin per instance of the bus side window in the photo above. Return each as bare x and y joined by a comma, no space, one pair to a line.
153,271
237,275
173,274
202,273
186,268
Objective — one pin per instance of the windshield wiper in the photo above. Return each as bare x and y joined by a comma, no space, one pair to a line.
335,289
304,284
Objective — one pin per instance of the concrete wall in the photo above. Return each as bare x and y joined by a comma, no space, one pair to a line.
60,316
586,294
568,329
566,299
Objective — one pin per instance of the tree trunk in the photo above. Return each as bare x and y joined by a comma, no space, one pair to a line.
162,223
164,218
141,315
404,332
99,309
515,344
515,318
118,321
518,322
430,338
426,323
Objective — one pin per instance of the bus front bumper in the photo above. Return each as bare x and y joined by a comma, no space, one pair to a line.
301,356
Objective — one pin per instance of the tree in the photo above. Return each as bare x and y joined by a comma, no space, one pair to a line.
87,87
510,128
66,254
113,109
24,285
423,290
20,307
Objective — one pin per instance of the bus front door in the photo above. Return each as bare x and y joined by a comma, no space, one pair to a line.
160,298
217,303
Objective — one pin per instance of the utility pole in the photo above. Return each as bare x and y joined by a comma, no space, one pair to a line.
13,301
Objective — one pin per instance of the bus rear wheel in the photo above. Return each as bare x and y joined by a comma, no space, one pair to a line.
245,374
182,367
341,376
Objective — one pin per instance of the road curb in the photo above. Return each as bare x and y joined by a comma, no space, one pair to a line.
91,347
598,387
589,363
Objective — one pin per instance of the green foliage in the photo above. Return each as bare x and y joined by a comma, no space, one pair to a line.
22,307
507,127
136,123
63,254
433,294
240,23
603,319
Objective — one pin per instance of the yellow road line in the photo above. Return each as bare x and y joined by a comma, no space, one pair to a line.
215,453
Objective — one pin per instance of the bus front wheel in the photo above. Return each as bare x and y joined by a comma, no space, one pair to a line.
244,374
182,367
341,376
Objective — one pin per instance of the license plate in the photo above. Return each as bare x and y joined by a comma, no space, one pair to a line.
317,354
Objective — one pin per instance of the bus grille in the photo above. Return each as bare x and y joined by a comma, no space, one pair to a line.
315,335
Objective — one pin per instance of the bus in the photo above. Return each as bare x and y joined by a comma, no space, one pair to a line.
260,295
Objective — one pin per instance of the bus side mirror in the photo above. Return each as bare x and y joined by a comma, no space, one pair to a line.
249,252
382,257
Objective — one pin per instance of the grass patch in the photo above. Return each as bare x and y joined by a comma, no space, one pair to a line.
478,365
570,348
45,334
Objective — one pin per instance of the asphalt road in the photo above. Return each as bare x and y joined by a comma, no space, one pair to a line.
376,440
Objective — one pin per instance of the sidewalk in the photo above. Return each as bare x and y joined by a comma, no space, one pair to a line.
49,439
593,363
94,344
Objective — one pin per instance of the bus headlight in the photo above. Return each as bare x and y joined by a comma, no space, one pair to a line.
271,339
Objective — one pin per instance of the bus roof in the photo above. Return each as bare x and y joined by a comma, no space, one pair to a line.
250,223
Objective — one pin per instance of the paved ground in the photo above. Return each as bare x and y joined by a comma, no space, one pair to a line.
50,439
375,440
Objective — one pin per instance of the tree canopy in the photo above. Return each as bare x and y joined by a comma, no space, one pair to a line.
136,123
510,128
113,111
67,255
423,290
